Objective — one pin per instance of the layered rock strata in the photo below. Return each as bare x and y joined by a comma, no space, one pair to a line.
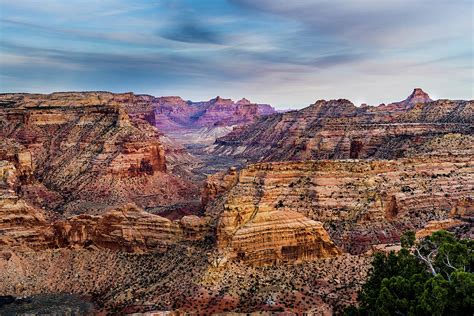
127,228
360,202
337,129
21,225
93,156
173,113
272,237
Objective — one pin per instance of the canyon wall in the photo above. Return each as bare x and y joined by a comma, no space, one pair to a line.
337,129
127,228
173,113
360,202
90,156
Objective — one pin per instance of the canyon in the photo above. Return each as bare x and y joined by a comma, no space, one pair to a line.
221,206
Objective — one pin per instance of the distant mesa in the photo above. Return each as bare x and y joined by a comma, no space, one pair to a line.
173,115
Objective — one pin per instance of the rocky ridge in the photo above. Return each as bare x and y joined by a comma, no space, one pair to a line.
173,113
360,202
89,156
337,129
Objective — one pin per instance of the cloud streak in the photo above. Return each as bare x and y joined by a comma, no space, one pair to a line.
288,53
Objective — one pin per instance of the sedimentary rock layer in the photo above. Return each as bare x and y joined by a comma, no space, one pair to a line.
272,237
337,129
173,113
126,228
360,202
93,156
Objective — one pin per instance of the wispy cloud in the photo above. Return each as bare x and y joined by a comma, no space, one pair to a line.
278,51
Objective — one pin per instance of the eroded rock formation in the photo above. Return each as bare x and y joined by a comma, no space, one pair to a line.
21,225
416,97
261,237
337,129
360,202
173,113
85,148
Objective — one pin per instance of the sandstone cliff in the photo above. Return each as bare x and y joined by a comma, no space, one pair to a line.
360,202
127,228
21,225
93,156
173,113
337,129
261,237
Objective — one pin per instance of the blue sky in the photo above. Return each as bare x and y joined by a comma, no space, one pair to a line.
287,53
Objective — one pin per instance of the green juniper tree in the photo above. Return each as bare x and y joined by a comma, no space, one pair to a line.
430,277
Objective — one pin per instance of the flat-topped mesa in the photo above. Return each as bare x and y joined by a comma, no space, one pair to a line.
360,202
331,109
171,101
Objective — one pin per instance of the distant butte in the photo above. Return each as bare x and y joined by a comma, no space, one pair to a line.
417,96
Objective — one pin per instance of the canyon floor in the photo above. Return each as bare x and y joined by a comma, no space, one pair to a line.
124,203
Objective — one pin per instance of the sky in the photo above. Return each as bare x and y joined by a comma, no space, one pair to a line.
286,53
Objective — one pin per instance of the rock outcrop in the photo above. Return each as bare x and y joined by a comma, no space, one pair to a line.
337,129
21,225
126,228
217,184
360,202
93,156
262,237
416,97
433,226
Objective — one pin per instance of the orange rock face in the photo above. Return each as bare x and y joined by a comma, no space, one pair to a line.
463,208
126,228
360,202
272,237
337,129
217,184
21,225
86,149
434,226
